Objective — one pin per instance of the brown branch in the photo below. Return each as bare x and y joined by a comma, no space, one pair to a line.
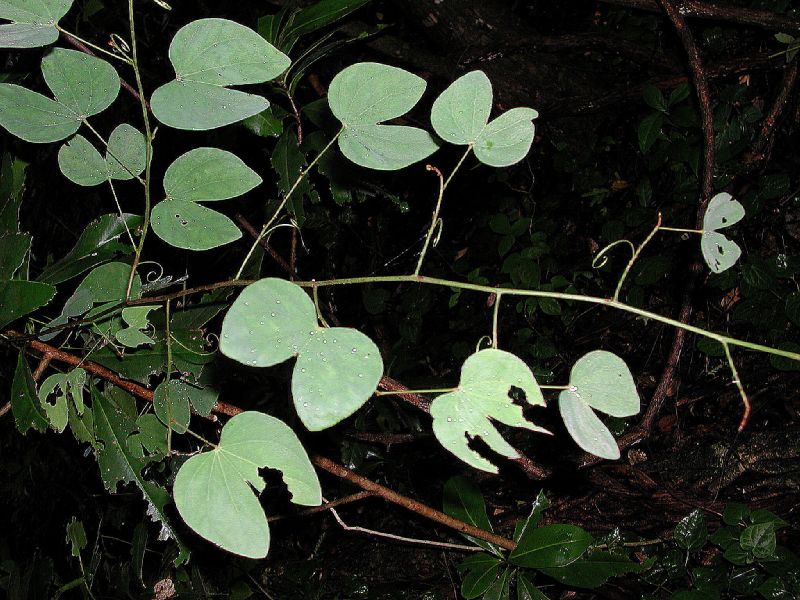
325,506
409,503
40,368
716,12
761,149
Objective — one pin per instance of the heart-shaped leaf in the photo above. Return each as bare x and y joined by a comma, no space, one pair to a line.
126,155
192,226
206,174
483,395
719,252
603,381
227,476
33,23
209,54
507,139
363,95
81,163
461,112
83,86
337,368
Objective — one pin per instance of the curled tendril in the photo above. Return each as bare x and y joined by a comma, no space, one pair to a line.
163,4
438,228
185,347
484,338
601,259
151,276
211,340
119,45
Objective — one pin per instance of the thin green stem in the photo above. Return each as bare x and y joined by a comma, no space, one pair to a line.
110,152
435,219
315,293
201,438
286,198
495,315
94,47
555,387
633,259
738,382
121,214
424,391
169,373
681,230
148,150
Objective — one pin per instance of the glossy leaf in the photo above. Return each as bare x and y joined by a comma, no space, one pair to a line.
691,533
316,16
594,570
206,174
13,248
464,501
99,242
483,395
363,95
539,505
28,413
81,163
501,588
192,226
527,591
18,298
208,54
33,23
171,404
126,155
759,539
550,546
461,112
480,572
506,140
228,475
337,368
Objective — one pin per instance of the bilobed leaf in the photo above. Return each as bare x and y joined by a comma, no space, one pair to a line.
191,226
463,500
33,117
507,139
337,368
461,112
719,252
33,22
550,546
363,95
18,298
227,476
28,413
483,395
599,380
171,404
98,243
120,464
126,155
84,84
207,55
81,163
206,174
13,248
723,211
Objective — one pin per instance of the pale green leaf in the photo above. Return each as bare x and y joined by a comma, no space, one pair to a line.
723,211
507,139
32,22
386,147
84,84
208,174
228,475
200,106
81,163
462,111
171,404
483,396
18,298
126,153
222,52
585,427
368,93
135,318
33,117
192,226
67,389
337,368
604,382
719,252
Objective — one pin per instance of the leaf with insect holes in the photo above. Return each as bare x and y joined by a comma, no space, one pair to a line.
365,94
719,252
337,368
228,475
82,86
208,55
460,115
33,22
201,175
483,396
599,380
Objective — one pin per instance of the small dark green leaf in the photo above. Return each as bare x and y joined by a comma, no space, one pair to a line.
76,536
654,98
735,513
18,298
594,570
13,249
25,405
480,572
691,533
527,591
650,130
759,539
550,546
463,500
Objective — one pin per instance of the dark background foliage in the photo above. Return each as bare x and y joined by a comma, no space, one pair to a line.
618,141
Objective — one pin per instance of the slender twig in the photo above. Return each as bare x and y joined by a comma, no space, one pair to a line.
738,383
358,496
405,392
85,43
633,259
495,316
251,231
40,368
